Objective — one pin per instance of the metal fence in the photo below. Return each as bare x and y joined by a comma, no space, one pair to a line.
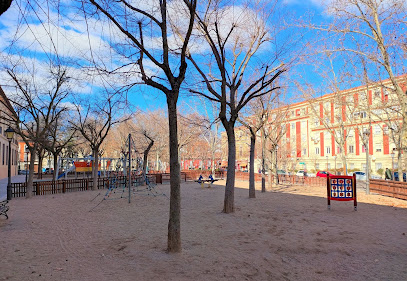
71,185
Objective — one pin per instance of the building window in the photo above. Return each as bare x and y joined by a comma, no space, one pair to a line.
329,166
386,95
377,130
377,94
363,114
351,149
378,166
304,151
338,150
3,153
378,147
316,150
316,122
317,166
363,166
351,166
328,149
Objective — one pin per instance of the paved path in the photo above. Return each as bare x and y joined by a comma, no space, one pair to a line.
3,185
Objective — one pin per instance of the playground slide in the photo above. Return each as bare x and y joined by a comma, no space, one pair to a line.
69,170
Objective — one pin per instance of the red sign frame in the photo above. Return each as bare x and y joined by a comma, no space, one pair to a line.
342,182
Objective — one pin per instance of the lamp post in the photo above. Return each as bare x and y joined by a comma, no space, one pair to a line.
9,135
335,164
327,163
367,135
392,165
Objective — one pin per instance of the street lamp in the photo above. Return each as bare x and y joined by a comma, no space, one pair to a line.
392,164
9,135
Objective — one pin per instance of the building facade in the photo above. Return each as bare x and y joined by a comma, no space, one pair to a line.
5,108
352,128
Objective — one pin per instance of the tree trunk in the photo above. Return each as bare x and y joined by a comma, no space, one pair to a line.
29,189
344,164
213,162
276,165
263,160
95,166
174,223
124,164
399,166
54,174
367,170
252,187
40,158
145,158
230,177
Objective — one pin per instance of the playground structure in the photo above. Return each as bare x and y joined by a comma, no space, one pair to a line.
132,180
209,181
82,167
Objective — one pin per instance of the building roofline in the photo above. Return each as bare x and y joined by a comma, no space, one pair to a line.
7,102
354,89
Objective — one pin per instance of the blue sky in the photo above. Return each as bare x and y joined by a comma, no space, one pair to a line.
72,35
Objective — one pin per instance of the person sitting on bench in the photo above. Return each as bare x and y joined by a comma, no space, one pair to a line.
210,180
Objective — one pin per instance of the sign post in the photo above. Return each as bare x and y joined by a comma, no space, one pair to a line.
341,188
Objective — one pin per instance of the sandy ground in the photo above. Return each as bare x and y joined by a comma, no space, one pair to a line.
286,233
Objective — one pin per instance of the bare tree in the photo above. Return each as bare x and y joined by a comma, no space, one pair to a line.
144,134
372,29
211,135
60,136
390,114
94,121
259,111
232,54
272,134
37,106
337,112
139,29
189,132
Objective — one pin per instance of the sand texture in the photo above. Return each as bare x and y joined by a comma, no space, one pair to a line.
286,233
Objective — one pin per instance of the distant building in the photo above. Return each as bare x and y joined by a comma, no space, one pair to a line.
6,110
319,132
